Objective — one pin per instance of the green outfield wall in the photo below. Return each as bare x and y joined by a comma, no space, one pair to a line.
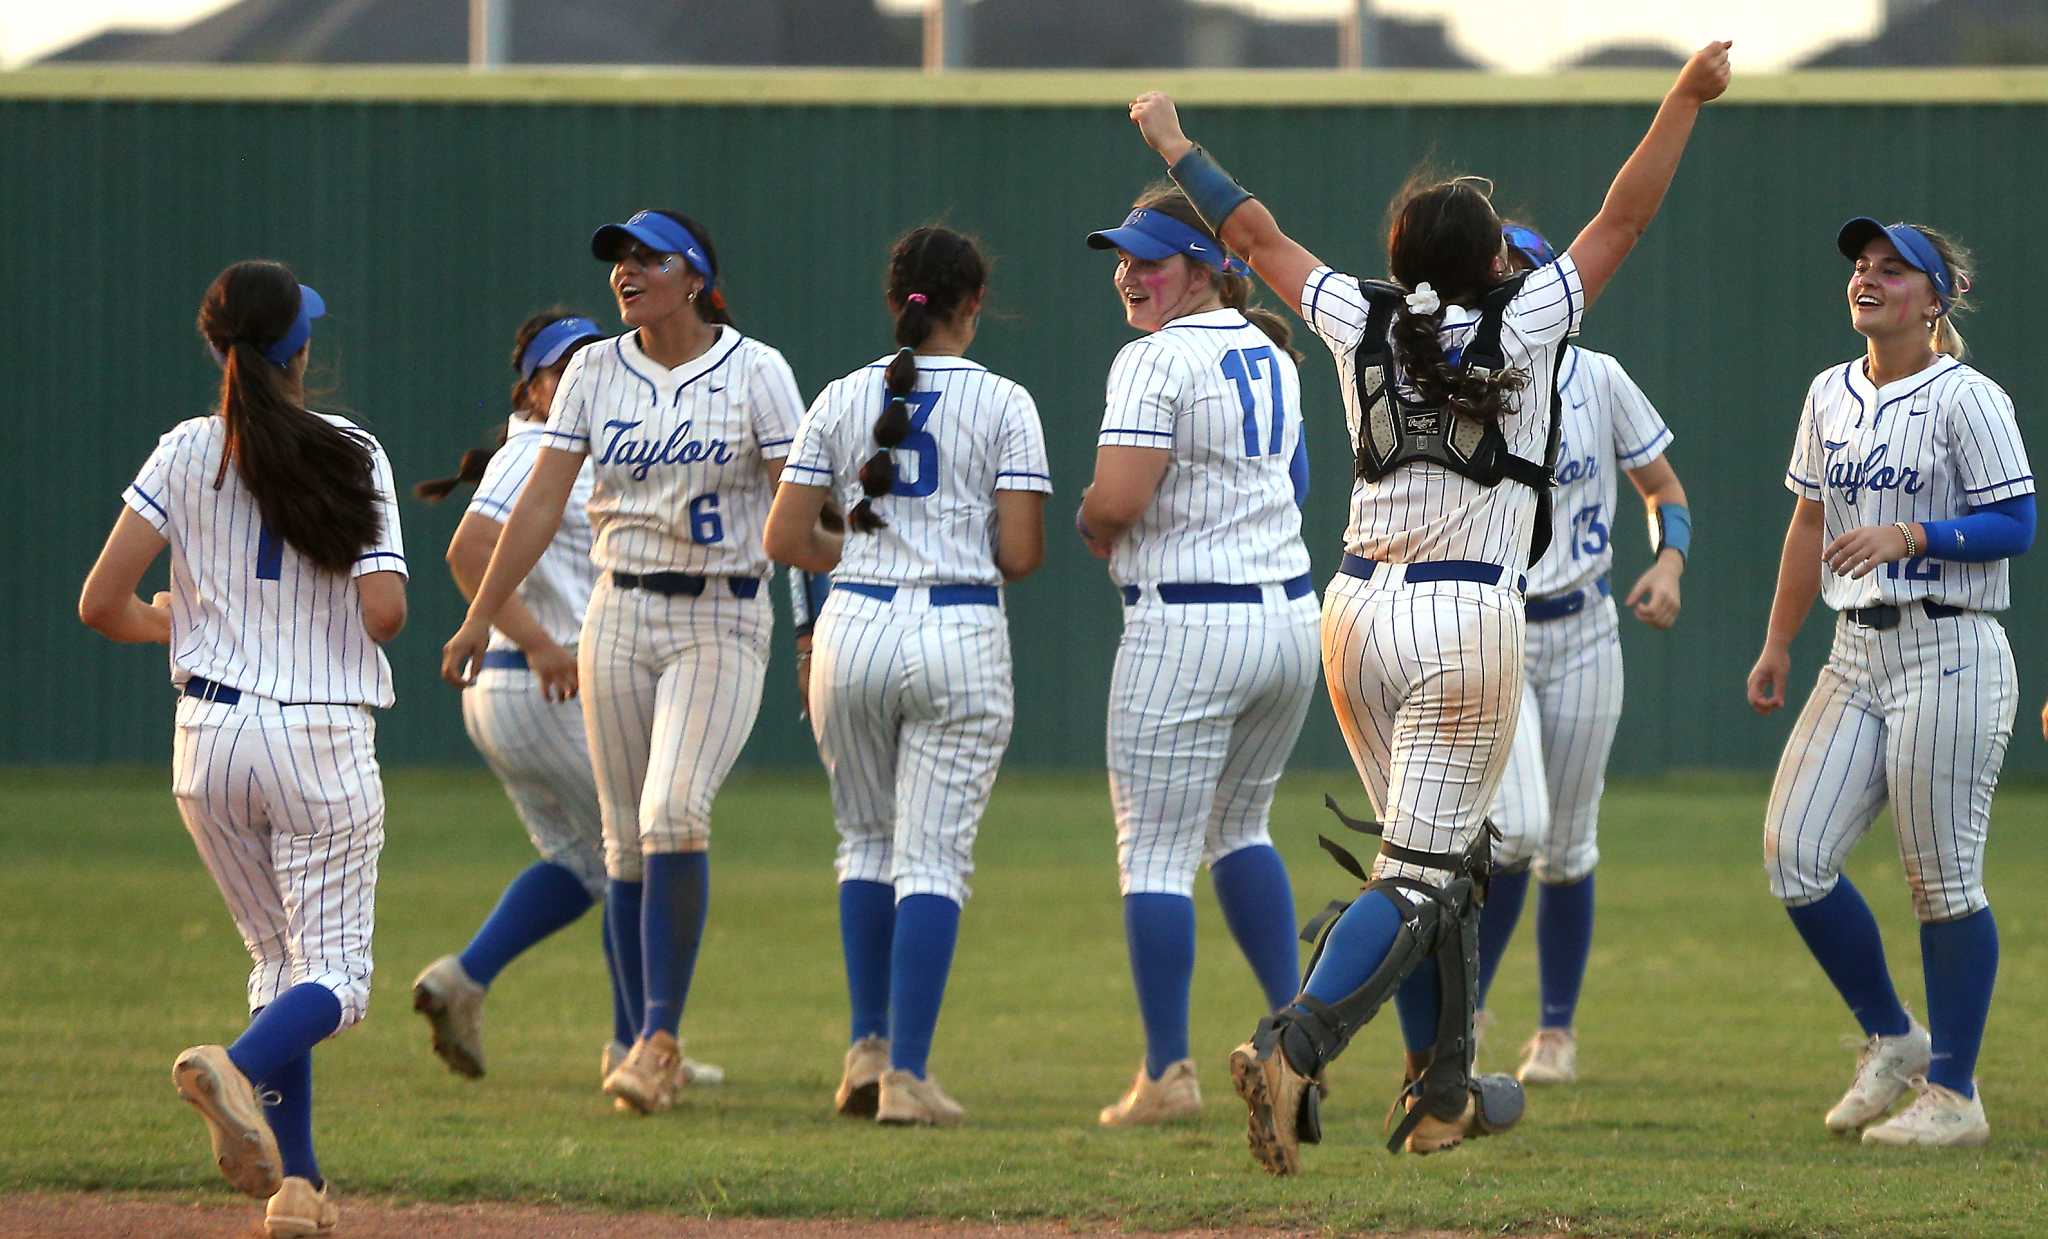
435,210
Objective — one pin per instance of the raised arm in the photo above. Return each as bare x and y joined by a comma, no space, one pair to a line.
1243,222
1638,189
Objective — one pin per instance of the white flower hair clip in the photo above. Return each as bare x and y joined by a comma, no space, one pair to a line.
1424,300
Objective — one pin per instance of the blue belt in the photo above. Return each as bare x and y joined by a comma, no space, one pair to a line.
1557,606
1433,570
501,660
212,690
1185,593
941,595
1885,616
670,584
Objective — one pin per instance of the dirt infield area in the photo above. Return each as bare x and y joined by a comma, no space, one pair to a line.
68,1216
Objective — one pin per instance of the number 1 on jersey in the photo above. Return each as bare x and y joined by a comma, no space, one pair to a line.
1241,366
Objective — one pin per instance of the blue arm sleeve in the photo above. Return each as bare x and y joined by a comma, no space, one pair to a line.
1995,531
1297,472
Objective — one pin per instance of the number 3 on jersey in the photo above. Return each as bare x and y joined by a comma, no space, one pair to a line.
1243,367
922,447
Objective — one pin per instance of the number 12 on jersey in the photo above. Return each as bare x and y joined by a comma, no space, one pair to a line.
1243,366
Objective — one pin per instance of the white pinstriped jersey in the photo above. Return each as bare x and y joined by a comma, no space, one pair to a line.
1217,393
557,591
1607,425
677,454
247,610
973,433
1926,448
1423,511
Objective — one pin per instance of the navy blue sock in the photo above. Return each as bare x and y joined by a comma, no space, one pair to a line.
1418,1001
291,1117
294,1022
867,931
1564,940
920,956
1842,934
1159,931
674,902
541,900
622,911
1504,896
1258,905
1357,945
1960,960
625,1025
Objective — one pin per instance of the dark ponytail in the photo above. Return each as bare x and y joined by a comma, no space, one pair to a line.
878,475
1445,233
310,478
1235,291
710,306
471,470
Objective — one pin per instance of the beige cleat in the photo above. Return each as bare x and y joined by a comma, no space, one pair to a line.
1434,1135
300,1211
860,1083
243,1145
454,1006
904,1100
1884,1069
1272,1090
1171,1098
1938,1118
1551,1057
647,1081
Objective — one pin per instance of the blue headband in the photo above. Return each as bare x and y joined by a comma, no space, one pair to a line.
659,233
281,350
1529,243
1913,246
1153,235
550,342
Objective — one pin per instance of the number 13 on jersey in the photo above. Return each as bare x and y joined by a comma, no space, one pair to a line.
1245,367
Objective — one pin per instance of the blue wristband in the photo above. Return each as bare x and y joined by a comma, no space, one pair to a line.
1210,190
1671,526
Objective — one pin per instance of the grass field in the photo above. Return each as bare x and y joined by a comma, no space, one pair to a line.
1709,1040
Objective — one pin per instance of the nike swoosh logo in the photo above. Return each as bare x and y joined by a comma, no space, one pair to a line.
1964,667
716,390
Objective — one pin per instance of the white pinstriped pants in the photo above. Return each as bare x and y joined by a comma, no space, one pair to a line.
537,749
671,687
1426,680
1548,806
1205,705
912,707
286,807
1917,717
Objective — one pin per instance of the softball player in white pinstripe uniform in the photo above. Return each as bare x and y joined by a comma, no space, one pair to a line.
1423,629
685,422
1909,467
1196,506
910,688
1548,805
287,573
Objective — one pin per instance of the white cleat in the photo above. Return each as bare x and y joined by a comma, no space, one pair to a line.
1938,1118
454,1007
1551,1057
1883,1070
1172,1098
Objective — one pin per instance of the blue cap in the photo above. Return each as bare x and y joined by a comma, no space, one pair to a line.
281,350
1153,235
1913,246
657,232
1529,243
550,342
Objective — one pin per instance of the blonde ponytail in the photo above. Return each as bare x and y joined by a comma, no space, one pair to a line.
1945,336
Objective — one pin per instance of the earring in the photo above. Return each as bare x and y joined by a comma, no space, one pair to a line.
692,297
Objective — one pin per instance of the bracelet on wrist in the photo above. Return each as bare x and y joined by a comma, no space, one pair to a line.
1912,543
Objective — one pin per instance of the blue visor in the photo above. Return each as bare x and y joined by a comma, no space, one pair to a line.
1530,244
1151,235
1913,246
657,232
550,342
287,346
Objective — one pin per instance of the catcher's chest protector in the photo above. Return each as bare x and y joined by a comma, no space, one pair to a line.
1396,430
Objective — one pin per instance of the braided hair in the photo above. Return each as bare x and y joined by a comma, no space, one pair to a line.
933,272
1445,233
